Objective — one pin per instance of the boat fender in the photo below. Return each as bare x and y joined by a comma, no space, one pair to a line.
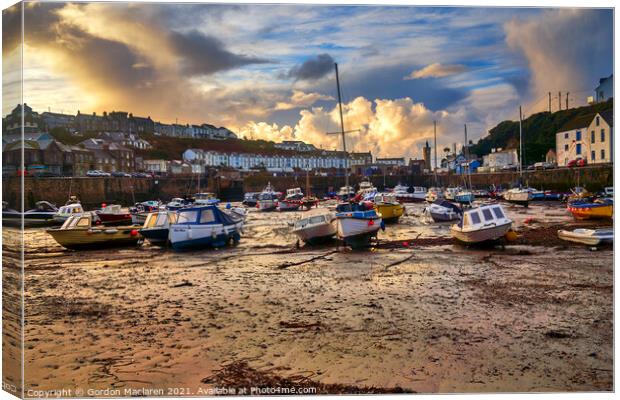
133,232
189,232
110,231
383,225
213,234
228,206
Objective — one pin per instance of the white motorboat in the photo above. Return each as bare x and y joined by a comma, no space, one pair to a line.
345,193
267,199
485,223
518,196
417,193
590,237
315,229
355,225
294,194
67,211
443,211
202,227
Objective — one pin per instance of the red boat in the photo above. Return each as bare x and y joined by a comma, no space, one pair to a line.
113,214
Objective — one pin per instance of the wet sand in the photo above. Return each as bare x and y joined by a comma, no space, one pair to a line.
416,315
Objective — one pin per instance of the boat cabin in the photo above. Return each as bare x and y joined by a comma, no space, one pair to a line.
77,222
209,215
386,198
71,209
485,215
294,192
418,189
204,196
112,209
159,220
313,220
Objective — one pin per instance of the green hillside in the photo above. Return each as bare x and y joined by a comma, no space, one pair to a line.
538,132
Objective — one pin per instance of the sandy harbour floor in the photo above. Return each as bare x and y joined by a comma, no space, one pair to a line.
431,317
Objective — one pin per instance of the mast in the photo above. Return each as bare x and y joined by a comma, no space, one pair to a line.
344,142
520,143
435,145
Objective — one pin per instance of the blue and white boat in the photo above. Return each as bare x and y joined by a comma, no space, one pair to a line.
205,199
204,227
156,228
356,225
464,197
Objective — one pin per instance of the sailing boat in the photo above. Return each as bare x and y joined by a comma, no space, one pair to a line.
308,201
355,225
465,196
519,195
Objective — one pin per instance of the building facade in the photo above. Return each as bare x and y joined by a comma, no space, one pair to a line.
589,138
500,158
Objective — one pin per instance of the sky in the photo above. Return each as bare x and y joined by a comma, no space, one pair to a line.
267,71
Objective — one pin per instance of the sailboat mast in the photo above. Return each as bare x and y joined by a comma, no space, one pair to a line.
344,142
435,145
520,143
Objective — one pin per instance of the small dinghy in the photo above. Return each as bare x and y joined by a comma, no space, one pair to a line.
315,229
156,228
486,223
443,211
78,233
356,225
204,227
590,237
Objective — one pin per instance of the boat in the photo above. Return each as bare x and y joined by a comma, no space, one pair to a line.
486,223
114,214
78,233
417,194
481,194
443,211
176,203
141,210
518,196
579,193
388,207
41,215
156,228
553,195
433,194
315,229
250,199
267,199
288,205
597,209
536,194
356,225
590,237
464,196
367,190
294,194
67,211
345,193
204,227
205,199
450,193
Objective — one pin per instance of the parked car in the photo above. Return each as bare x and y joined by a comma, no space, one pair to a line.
97,173
544,165
509,168
579,162
120,174
45,174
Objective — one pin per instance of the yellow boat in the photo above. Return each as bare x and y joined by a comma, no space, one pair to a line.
79,233
599,209
389,208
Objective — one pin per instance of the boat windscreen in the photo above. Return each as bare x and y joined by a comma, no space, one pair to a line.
161,220
317,219
475,217
207,216
498,212
187,217
486,212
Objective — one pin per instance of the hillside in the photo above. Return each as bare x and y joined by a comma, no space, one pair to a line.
538,132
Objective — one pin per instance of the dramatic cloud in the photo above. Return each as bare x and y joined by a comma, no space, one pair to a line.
300,99
436,70
565,50
313,68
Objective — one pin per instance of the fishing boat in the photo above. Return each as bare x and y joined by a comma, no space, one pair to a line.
450,193
78,232
464,196
294,194
67,211
485,223
579,193
518,196
597,209
590,237
388,207
433,194
345,193
156,228
205,199
250,199
141,210
204,227
443,211
417,194
41,215
114,214
315,229
356,225
267,199
366,189
288,205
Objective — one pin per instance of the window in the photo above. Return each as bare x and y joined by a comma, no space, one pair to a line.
593,155
488,216
566,135
598,120
498,212
475,217
187,217
578,148
207,216
602,154
603,135
578,136
592,137
83,222
565,147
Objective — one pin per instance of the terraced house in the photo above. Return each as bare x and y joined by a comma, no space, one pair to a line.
588,138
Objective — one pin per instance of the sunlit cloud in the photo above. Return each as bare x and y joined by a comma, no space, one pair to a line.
436,70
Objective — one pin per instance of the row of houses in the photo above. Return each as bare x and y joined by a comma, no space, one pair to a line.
114,121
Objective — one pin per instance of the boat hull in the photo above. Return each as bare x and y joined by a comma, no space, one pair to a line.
481,235
594,211
390,213
439,216
267,205
588,237
464,198
95,238
316,234
156,236
115,219
187,237
288,205
357,232
411,197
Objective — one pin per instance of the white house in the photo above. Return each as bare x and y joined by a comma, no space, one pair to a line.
155,165
499,158
589,137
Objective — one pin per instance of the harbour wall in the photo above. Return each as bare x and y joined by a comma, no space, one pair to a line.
94,191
